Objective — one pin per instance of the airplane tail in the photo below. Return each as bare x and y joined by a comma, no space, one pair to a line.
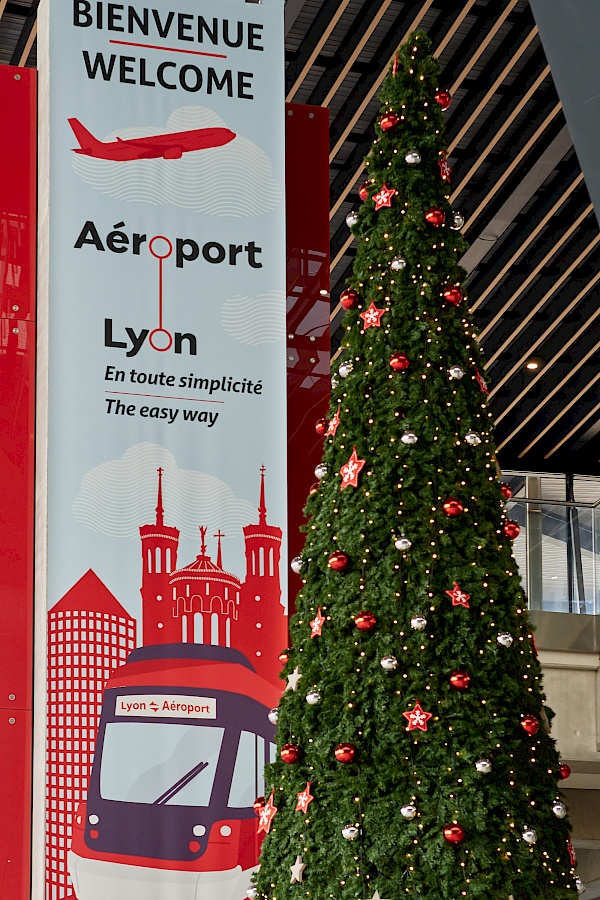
87,141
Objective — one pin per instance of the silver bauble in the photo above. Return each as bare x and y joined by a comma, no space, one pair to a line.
273,715
350,832
297,564
402,543
388,663
455,372
472,438
458,220
351,218
418,623
413,157
398,263
409,811
313,697
334,382
321,471
345,369
251,892
484,766
559,809
505,639
580,884
409,437
530,836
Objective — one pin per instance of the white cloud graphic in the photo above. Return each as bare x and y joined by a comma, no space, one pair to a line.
255,320
119,495
234,180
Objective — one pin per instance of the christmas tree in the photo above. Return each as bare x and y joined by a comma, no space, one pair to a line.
414,754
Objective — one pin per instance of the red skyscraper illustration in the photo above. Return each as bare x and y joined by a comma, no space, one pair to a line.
89,635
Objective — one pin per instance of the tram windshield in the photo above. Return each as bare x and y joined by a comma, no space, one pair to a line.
175,766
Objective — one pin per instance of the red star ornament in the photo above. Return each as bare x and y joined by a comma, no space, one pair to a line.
317,623
445,170
267,815
372,316
304,798
351,470
459,598
417,718
333,424
481,382
384,196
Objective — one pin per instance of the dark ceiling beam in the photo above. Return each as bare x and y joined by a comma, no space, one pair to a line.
292,10
362,27
564,407
26,37
526,230
534,274
519,198
323,25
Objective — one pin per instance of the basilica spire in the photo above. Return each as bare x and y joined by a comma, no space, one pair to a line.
262,506
160,521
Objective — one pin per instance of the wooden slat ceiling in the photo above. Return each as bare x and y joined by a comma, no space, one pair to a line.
535,244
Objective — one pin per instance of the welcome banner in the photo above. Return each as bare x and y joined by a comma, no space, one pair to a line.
166,605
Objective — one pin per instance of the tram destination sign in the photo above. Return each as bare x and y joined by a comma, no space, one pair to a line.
166,706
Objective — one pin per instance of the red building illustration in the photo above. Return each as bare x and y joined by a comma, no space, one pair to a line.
89,635
202,603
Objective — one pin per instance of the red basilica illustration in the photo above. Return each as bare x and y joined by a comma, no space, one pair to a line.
128,727
202,603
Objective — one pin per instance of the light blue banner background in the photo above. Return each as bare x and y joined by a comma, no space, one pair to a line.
102,466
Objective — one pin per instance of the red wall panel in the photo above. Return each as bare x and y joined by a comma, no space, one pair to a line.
17,359
307,222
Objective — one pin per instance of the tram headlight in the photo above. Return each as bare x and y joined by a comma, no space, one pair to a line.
93,819
199,830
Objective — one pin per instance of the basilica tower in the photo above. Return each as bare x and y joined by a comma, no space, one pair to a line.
263,619
159,558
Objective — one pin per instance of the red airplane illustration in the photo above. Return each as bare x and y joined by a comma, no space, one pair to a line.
167,146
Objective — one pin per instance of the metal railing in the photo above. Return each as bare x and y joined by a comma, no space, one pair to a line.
558,548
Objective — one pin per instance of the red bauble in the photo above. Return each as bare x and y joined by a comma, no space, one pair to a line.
321,426
345,753
290,753
259,805
365,621
363,191
314,489
399,362
453,295
452,507
563,771
530,724
460,680
338,561
349,299
443,98
284,656
505,490
511,529
388,121
454,834
435,216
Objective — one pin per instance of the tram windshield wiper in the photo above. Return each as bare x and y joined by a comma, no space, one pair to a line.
180,784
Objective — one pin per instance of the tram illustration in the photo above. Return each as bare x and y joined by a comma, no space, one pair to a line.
181,745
